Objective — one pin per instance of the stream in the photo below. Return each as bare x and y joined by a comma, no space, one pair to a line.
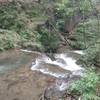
64,69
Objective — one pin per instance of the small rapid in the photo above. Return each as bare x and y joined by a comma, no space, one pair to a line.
64,67
59,67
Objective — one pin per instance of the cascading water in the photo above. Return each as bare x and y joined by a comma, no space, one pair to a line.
62,62
63,67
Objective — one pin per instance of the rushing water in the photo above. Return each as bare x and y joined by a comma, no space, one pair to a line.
64,67
63,64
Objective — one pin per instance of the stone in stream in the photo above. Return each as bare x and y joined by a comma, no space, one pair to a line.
53,70
51,56
59,60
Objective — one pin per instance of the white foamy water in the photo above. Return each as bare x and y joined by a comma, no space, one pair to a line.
63,67
29,51
70,63
62,61
26,50
79,52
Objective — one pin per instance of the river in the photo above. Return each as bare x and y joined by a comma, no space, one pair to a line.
27,74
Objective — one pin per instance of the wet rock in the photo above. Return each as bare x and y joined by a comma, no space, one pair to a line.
51,93
51,56
59,60
53,70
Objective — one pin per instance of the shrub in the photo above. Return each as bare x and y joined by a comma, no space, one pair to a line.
8,39
49,40
86,86
7,15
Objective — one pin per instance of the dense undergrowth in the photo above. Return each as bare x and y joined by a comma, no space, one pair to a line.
85,88
17,24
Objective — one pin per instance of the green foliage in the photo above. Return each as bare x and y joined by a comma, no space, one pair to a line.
27,36
20,19
49,40
86,86
85,5
64,12
7,16
61,5
77,45
92,56
85,30
8,39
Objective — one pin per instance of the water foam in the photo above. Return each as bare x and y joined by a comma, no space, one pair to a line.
79,52
62,61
